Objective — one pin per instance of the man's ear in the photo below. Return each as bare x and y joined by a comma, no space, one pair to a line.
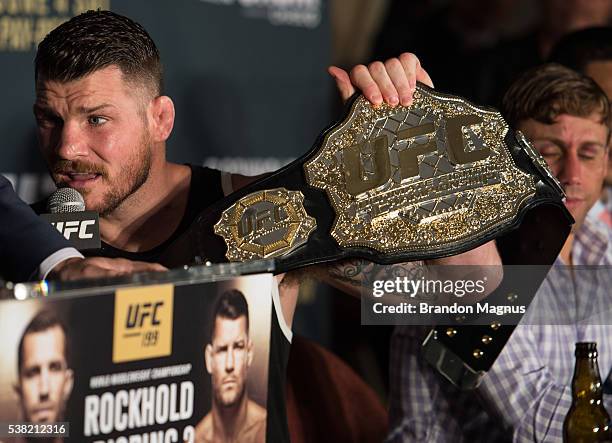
68,384
249,352
17,389
161,113
208,358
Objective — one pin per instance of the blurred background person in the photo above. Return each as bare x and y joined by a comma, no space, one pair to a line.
476,48
589,51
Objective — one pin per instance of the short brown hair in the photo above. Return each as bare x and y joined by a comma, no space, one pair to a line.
43,321
547,91
95,40
231,304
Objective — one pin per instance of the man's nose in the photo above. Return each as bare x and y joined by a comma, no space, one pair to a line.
43,388
229,361
571,170
71,142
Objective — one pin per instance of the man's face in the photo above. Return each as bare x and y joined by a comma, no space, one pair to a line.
601,72
94,136
576,152
45,381
228,358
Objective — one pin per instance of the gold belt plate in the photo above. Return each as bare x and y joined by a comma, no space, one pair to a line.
265,224
413,178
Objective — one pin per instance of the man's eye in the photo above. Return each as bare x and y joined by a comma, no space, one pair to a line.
56,366
550,153
592,153
31,372
96,120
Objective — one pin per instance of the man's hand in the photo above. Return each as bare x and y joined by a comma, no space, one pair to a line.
393,81
97,267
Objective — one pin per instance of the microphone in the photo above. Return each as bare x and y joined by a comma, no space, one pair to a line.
66,212
65,200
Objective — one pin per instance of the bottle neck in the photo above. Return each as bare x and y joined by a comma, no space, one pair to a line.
586,385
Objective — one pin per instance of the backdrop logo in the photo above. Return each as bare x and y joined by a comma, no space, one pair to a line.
299,13
24,23
143,323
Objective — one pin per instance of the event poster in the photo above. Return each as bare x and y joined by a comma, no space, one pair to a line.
158,363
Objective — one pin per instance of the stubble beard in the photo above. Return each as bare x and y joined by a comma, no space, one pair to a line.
130,179
223,403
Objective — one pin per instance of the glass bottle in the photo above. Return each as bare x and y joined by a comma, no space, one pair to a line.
587,420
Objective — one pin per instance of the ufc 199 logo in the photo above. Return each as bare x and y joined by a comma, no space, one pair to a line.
358,182
78,227
143,322
141,315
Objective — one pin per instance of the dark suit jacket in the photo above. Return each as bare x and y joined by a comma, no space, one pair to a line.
25,239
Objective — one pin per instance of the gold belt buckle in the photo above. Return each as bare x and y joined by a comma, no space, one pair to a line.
428,179
419,177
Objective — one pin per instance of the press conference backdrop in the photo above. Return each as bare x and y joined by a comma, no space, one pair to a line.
248,79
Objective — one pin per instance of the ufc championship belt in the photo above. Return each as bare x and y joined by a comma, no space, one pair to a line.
433,179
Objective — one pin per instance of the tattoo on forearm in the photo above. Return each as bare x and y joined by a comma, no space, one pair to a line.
359,272
355,271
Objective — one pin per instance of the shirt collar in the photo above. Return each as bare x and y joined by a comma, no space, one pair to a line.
591,243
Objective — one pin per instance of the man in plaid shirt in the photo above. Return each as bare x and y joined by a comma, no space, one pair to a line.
527,393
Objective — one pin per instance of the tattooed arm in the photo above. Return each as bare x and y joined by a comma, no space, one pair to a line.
352,275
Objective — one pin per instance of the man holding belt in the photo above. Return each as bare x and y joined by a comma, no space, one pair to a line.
103,123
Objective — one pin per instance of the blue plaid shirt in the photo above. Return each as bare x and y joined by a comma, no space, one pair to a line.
526,395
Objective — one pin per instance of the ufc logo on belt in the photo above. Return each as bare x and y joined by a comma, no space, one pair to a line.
256,222
362,178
